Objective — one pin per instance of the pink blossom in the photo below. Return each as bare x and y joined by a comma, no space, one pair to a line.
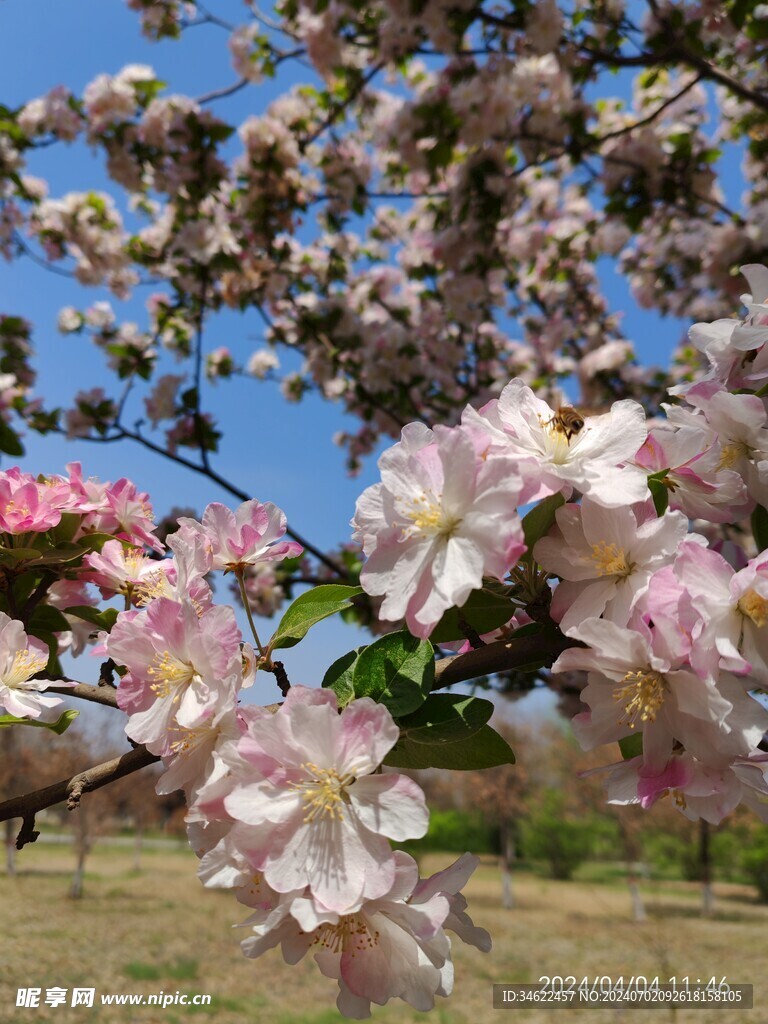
320,817
120,569
605,559
24,507
698,790
733,608
594,459
392,947
697,481
640,678
248,536
22,657
181,666
441,518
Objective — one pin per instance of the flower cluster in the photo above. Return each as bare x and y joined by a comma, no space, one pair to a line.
670,620
287,808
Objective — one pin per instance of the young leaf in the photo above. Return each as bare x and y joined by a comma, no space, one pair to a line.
396,670
14,556
660,495
9,440
485,749
59,726
309,608
66,529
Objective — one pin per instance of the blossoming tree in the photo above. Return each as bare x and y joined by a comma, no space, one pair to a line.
448,176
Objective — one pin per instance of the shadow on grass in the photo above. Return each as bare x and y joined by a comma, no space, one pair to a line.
669,911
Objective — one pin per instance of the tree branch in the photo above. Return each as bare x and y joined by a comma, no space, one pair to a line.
502,655
71,790
196,467
97,694
342,107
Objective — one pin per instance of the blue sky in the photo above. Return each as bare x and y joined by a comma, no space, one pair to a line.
272,450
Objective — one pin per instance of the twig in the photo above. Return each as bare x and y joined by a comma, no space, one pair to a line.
340,108
220,94
281,677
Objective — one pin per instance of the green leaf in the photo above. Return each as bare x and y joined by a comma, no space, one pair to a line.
66,529
309,608
485,749
339,676
96,541
46,619
446,718
103,619
540,520
759,523
660,495
9,440
631,746
396,670
13,556
483,610
59,726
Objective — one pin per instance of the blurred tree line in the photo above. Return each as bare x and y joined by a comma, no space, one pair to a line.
548,812
536,814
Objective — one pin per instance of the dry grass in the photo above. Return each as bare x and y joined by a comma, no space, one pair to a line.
159,930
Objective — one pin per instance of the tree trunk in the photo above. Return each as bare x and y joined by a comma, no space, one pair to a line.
638,907
82,849
10,848
705,866
8,742
137,845
507,860
631,854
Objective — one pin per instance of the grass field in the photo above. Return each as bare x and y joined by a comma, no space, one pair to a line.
159,930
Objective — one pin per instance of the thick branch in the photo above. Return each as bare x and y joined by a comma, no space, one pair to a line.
98,694
500,656
72,789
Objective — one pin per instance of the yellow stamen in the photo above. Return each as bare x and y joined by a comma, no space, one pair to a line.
325,793
732,453
188,739
170,674
351,935
611,560
153,585
642,696
754,607
25,664
429,517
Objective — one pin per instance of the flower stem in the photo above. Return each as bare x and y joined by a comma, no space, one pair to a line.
240,574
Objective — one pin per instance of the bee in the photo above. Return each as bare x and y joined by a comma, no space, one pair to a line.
567,421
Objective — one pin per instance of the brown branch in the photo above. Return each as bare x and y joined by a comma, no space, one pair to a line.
98,694
500,656
220,94
122,433
71,790
340,108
